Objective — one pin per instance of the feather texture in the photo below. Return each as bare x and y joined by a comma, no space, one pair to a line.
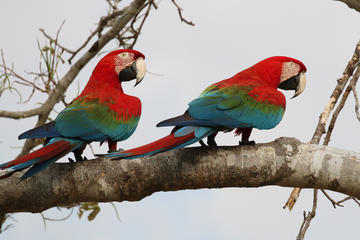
102,112
247,100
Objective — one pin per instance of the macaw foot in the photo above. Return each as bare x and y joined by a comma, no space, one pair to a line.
241,143
210,141
202,143
77,159
77,154
245,134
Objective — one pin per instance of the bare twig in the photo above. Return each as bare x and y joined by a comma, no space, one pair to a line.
4,63
5,83
338,109
56,39
3,219
333,202
113,6
21,114
180,14
57,92
116,212
308,217
320,128
356,97
290,203
100,27
323,118
44,218
138,30
355,200
356,103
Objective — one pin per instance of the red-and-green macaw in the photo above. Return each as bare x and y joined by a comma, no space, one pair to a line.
248,100
102,112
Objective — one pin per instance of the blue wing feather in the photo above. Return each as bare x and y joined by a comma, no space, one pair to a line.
233,108
83,121
46,130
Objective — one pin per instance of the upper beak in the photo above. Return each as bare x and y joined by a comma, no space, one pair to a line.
296,83
135,71
140,70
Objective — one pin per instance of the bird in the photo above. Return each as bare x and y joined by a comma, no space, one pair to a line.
102,112
249,99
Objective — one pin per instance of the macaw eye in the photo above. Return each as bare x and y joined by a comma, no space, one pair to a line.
124,55
289,70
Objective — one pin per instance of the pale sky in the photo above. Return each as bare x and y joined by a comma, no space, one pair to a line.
229,36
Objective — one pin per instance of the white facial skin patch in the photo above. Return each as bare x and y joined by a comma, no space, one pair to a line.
289,69
123,60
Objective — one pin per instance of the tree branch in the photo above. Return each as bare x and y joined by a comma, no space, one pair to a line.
323,118
284,162
62,85
308,218
348,72
21,114
341,105
74,70
180,14
354,4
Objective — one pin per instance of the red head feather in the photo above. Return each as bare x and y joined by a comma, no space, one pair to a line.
270,69
104,78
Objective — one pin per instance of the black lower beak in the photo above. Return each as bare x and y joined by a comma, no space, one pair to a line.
296,83
290,84
128,73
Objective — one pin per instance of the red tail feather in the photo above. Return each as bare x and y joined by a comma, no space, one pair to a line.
42,154
160,145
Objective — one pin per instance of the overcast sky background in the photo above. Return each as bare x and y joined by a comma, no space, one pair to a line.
228,37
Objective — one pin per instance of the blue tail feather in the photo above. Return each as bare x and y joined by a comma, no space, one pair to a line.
185,120
46,130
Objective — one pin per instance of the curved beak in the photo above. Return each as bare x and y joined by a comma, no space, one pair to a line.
296,83
140,70
301,80
135,71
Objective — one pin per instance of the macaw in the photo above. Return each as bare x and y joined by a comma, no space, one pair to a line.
247,100
102,112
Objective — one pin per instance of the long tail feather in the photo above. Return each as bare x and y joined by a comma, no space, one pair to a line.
184,120
42,157
46,130
177,139
42,165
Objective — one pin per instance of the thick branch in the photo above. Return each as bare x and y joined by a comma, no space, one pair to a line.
284,162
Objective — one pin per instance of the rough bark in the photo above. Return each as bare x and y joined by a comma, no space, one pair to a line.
285,162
